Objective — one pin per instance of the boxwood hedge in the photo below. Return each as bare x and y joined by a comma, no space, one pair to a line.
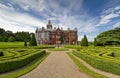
18,61
105,61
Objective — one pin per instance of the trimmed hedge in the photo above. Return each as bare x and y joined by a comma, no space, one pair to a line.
1,54
102,61
8,65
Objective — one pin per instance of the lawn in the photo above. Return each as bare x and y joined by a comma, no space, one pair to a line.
11,44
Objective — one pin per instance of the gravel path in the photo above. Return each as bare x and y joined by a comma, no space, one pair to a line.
56,65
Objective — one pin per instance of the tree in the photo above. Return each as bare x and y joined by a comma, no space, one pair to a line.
25,42
11,39
95,42
2,30
84,41
33,40
20,36
109,37
1,38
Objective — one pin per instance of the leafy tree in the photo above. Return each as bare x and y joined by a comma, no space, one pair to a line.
11,39
84,41
33,40
1,38
20,36
5,39
95,42
109,37
2,30
25,42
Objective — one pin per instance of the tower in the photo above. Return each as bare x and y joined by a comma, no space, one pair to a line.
49,25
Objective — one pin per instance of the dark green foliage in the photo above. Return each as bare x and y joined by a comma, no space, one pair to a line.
1,54
5,39
84,41
25,42
21,50
33,41
1,38
11,39
18,60
110,37
95,42
2,30
19,36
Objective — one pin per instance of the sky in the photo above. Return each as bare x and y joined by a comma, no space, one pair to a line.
90,17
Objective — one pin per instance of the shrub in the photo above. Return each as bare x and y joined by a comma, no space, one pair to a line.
101,61
84,41
1,54
19,61
33,41
95,42
25,42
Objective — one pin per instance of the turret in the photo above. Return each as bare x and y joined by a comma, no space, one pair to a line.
49,25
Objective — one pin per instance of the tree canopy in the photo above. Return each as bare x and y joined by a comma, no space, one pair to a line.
84,41
33,40
110,37
18,36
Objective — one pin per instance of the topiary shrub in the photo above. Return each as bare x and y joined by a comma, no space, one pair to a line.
111,54
1,54
84,41
33,40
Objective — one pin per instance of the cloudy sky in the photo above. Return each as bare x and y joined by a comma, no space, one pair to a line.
90,17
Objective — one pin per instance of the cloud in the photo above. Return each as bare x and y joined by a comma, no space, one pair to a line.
116,25
106,19
108,15
64,13
36,5
15,21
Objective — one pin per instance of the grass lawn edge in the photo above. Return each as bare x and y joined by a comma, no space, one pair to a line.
83,68
27,69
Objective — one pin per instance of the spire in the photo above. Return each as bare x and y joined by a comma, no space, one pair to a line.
49,25
49,22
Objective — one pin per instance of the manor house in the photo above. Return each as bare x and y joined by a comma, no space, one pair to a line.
50,35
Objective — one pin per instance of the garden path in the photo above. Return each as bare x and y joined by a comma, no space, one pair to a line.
57,65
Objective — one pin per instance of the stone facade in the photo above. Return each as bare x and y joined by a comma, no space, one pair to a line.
57,36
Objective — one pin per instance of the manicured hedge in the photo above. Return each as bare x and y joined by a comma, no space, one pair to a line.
11,64
1,54
104,62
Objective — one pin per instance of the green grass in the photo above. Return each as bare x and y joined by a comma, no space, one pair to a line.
84,68
11,44
58,49
6,45
27,69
